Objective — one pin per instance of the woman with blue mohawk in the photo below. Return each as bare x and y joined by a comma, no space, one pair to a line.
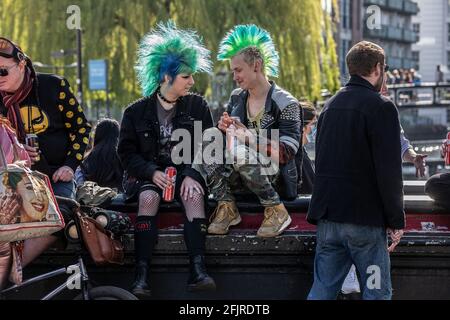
167,59
258,107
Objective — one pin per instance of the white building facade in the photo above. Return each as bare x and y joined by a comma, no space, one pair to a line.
432,25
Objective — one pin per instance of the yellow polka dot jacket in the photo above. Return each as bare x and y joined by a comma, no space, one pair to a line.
52,112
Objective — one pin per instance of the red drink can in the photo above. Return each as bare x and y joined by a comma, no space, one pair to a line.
169,192
447,150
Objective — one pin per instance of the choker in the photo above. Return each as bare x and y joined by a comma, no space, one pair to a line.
164,98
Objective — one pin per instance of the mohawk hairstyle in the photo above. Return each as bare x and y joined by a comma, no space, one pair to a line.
169,51
242,37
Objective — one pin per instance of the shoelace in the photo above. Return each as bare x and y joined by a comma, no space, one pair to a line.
220,214
271,213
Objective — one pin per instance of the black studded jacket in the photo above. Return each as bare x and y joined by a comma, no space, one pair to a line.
282,112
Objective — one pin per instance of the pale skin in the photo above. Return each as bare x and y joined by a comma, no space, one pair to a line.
180,87
252,78
11,83
443,149
377,79
16,74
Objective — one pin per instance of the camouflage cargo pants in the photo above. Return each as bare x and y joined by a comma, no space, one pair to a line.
246,172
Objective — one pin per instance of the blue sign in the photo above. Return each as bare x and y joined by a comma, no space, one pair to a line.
98,75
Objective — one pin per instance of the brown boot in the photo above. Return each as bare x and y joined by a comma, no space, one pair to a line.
276,219
225,216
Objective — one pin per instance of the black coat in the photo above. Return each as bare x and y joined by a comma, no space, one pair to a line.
138,147
305,168
358,160
58,120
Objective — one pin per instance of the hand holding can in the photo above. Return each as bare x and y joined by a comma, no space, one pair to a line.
169,191
236,121
32,140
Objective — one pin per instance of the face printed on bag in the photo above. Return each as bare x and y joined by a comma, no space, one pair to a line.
35,200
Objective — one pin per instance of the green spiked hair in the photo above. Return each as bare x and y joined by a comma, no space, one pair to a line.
169,51
242,37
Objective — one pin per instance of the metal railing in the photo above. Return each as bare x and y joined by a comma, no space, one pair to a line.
405,6
425,94
410,7
392,33
381,3
395,4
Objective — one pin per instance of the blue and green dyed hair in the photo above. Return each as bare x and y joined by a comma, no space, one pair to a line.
169,51
242,37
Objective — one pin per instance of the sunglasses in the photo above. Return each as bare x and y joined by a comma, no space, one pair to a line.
5,71
9,50
386,67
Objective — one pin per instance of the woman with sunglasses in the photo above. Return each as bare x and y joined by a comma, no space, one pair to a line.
42,109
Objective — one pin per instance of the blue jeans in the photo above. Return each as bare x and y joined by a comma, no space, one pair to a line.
339,245
66,190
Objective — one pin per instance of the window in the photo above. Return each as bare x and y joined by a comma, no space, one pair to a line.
400,21
350,15
344,48
345,14
448,32
416,59
416,29
448,60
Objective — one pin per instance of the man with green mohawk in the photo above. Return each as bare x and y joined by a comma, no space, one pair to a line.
264,121
167,59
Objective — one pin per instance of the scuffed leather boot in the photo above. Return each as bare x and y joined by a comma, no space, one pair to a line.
199,280
145,236
141,288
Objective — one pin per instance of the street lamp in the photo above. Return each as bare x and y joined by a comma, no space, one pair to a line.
55,68
63,53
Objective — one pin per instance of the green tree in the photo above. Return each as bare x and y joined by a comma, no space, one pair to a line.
112,29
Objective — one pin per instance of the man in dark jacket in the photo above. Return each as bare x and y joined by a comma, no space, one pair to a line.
357,196
262,164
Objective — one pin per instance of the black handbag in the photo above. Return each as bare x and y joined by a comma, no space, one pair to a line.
117,222
131,187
